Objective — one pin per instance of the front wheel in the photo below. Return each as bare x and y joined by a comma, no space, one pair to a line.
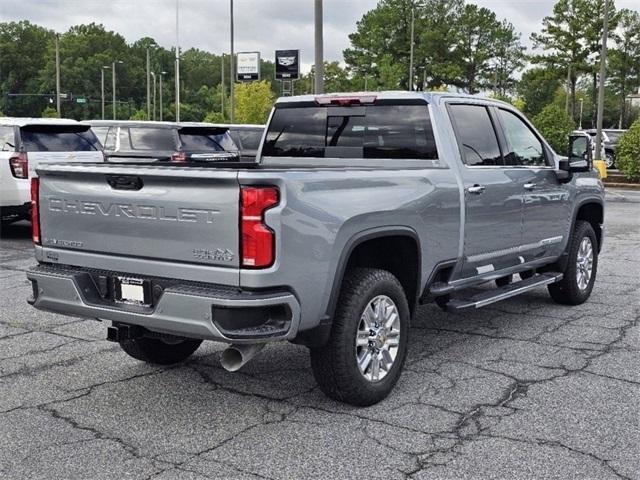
159,351
582,266
363,359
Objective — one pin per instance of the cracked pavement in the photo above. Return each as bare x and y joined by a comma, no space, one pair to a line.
522,389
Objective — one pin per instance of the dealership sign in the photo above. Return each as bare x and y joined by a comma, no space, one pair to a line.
287,64
248,66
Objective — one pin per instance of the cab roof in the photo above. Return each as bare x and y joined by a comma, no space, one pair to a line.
429,97
24,121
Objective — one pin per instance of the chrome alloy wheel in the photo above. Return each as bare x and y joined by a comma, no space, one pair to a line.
378,338
584,263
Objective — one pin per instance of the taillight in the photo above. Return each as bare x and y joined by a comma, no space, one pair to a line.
35,210
258,240
345,100
19,165
179,157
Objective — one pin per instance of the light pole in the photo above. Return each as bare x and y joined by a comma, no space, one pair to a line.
154,96
319,52
148,89
603,75
177,60
113,85
222,84
58,76
232,70
162,74
413,20
581,106
102,87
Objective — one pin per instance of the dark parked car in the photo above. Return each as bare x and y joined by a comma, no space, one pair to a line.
247,137
610,139
140,141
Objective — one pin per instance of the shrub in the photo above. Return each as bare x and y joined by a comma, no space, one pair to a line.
555,125
628,153
49,112
139,115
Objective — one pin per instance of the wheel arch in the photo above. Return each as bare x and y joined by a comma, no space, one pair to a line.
361,250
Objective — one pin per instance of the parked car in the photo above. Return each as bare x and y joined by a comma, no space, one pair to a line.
142,141
359,208
29,142
610,139
247,138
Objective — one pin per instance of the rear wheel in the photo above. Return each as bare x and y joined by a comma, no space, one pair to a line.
160,351
610,160
363,359
582,266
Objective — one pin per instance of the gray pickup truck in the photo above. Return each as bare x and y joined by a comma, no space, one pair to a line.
359,208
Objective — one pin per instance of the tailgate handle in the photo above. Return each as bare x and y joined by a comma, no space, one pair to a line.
124,182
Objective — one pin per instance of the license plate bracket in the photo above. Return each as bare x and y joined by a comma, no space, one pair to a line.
132,291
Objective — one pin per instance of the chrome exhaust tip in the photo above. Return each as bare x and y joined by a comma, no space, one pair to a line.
235,356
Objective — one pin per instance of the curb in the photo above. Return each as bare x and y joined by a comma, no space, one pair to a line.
624,186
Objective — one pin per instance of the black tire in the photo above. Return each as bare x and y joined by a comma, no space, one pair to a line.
335,365
567,291
610,160
155,350
504,281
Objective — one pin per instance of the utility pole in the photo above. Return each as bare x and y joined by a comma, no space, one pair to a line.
413,20
319,50
566,104
148,87
162,74
113,79
603,75
153,75
222,83
232,69
102,90
58,76
177,61
102,87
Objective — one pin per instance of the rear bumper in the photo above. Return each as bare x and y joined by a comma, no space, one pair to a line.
205,311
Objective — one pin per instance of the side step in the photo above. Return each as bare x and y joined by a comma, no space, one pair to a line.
502,293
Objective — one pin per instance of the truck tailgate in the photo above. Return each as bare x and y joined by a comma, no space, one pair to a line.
169,214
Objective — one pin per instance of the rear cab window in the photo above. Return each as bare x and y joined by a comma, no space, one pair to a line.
206,139
147,138
58,138
385,130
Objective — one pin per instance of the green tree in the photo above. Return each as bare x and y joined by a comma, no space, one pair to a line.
508,57
139,115
537,87
23,53
563,40
253,102
555,125
628,153
624,61
49,112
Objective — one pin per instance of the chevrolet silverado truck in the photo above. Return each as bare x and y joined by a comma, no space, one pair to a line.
359,208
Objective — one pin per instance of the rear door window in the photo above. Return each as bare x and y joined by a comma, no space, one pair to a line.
372,131
7,139
143,138
476,135
58,138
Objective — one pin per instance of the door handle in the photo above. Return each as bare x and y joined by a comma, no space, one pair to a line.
477,189
529,186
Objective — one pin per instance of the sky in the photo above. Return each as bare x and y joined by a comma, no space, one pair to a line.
260,25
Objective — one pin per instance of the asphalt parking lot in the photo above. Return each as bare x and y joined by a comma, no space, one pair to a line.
524,389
